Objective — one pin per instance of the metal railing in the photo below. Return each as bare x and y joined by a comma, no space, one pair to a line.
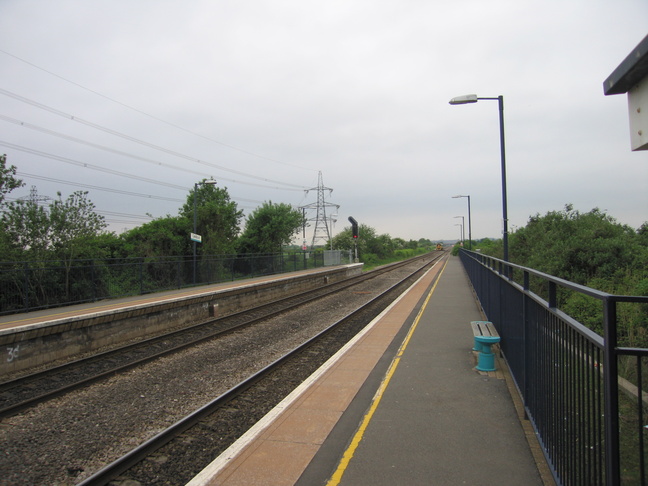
583,393
33,285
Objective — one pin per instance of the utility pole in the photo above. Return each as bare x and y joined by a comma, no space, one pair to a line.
321,230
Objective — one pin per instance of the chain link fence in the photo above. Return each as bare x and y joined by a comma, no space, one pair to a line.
27,286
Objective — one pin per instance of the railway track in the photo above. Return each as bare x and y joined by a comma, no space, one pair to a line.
28,391
178,453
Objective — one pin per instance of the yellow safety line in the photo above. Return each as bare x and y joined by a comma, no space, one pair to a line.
350,451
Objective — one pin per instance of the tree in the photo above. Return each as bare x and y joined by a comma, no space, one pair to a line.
72,223
218,218
26,230
590,249
166,236
400,243
575,246
270,227
8,181
60,230
366,242
73,226
63,231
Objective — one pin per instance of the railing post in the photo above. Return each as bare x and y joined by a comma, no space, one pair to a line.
26,287
642,466
553,299
92,280
611,392
141,275
525,340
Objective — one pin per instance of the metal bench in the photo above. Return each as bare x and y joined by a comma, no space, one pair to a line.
485,336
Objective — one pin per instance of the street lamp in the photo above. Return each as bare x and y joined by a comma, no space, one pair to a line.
472,98
194,236
333,221
460,232
469,225
463,226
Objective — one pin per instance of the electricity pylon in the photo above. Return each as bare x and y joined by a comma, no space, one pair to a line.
34,198
321,230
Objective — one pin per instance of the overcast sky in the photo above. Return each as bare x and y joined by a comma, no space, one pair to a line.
135,101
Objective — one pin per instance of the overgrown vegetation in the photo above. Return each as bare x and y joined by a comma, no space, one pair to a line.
590,249
374,249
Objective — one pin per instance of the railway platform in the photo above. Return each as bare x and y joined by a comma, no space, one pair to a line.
400,405
56,335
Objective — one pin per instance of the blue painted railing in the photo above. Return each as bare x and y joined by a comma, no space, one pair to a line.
589,419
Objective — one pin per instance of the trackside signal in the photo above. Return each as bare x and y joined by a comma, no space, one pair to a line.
354,227
354,232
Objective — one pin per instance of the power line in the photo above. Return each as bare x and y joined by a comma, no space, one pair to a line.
98,188
89,166
152,116
136,140
126,154
111,171
125,215
39,200
90,144
120,191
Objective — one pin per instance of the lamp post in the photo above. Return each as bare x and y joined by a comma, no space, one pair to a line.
472,98
195,223
463,228
469,225
333,221
460,232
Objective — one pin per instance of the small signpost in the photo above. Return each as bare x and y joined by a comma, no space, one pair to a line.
196,238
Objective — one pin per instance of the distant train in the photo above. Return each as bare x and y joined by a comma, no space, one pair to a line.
439,246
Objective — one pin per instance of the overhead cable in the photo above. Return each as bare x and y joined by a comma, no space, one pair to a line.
136,140
152,116
88,166
98,188
119,191
126,154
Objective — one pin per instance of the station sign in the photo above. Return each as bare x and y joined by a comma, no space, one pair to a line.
196,238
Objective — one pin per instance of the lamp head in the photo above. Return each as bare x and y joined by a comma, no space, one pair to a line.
462,100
